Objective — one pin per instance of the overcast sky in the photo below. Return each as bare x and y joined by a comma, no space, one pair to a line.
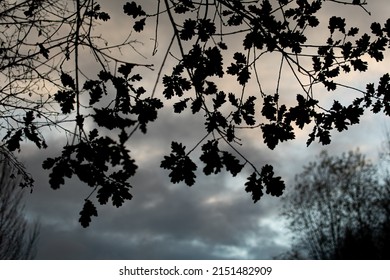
214,219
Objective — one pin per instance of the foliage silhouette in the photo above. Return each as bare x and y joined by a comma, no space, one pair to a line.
17,239
44,52
336,210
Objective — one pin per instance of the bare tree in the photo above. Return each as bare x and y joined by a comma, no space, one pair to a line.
336,210
18,237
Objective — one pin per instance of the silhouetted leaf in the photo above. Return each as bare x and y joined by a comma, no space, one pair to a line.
175,85
188,30
134,10
147,111
48,163
104,16
95,91
88,211
337,23
255,187
14,142
302,113
139,25
269,110
222,45
211,158
196,105
231,163
215,120
274,132
125,69
206,28
376,29
248,110
61,169
324,136
184,6
353,31
274,185
181,166
43,51
230,134
240,68
233,100
180,106
347,50
214,62
359,65
219,100
110,119
211,88
66,99
67,81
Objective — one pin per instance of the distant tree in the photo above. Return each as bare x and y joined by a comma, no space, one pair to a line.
18,238
46,47
335,210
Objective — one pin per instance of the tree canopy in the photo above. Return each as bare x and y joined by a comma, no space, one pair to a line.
338,209
45,46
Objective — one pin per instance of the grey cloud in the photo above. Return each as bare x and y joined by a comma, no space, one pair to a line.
209,220
181,222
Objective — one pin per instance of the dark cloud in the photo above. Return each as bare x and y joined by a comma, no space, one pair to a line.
212,220
163,221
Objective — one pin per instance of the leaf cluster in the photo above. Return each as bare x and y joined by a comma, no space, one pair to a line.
273,184
95,162
135,11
